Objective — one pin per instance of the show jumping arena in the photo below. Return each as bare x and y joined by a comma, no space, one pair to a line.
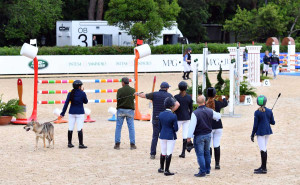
101,164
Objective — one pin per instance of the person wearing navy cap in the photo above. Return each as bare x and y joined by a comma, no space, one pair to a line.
158,99
167,123
76,112
263,117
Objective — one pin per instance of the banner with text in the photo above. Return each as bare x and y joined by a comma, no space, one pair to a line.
73,64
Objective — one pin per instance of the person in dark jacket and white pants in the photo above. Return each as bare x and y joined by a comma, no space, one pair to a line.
184,113
217,127
76,113
167,122
263,117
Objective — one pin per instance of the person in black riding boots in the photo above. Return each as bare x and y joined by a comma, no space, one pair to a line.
266,60
187,68
263,117
76,112
184,113
167,122
158,107
217,127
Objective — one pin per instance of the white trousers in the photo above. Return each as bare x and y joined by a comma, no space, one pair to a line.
185,127
262,142
76,118
167,146
216,137
266,67
186,67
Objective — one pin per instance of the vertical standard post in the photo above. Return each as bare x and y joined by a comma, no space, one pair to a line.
204,69
195,82
136,86
34,111
291,58
231,93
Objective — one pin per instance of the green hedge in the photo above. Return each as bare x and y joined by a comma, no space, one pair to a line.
125,50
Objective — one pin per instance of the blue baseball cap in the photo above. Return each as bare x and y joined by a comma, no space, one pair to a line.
164,85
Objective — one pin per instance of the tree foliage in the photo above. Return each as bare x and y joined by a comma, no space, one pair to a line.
191,17
143,19
29,18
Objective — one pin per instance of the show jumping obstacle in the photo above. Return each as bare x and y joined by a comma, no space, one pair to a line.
31,52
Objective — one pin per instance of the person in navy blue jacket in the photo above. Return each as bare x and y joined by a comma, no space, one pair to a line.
167,123
184,113
263,117
217,127
76,112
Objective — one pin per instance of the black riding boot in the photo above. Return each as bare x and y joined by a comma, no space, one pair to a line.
182,155
70,133
210,151
80,138
188,75
162,163
262,73
263,168
266,73
168,162
184,73
217,157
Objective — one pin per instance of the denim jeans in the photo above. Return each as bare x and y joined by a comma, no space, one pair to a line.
155,135
274,68
121,115
202,145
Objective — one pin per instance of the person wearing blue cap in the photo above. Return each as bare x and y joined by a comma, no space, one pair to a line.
263,117
167,123
187,68
158,99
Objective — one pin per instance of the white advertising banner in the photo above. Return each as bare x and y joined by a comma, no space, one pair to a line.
65,64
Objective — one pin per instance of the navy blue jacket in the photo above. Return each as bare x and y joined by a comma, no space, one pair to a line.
167,124
262,121
185,109
204,117
77,103
158,99
218,106
267,59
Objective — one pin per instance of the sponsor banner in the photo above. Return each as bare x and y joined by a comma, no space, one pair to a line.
65,64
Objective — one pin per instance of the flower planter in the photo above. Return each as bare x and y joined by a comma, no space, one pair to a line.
4,120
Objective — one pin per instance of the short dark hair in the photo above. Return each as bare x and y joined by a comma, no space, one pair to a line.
125,80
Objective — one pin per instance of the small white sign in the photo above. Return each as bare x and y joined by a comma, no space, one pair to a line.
248,100
266,82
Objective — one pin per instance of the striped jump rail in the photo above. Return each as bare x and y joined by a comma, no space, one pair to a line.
87,91
90,101
84,81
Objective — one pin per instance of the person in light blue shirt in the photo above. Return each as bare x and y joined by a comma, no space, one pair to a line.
201,127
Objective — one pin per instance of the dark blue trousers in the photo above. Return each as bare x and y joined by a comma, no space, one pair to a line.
154,137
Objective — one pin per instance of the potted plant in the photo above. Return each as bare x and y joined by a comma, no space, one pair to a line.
219,85
226,89
8,110
246,89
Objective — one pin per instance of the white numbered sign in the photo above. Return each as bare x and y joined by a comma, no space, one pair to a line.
266,83
248,100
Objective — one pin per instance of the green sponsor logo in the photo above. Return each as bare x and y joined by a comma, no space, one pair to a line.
42,64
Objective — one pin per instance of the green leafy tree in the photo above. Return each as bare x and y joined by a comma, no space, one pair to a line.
191,17
31,18
143,19
269,22
241,24
220,83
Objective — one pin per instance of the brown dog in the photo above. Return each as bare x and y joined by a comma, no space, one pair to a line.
45,131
